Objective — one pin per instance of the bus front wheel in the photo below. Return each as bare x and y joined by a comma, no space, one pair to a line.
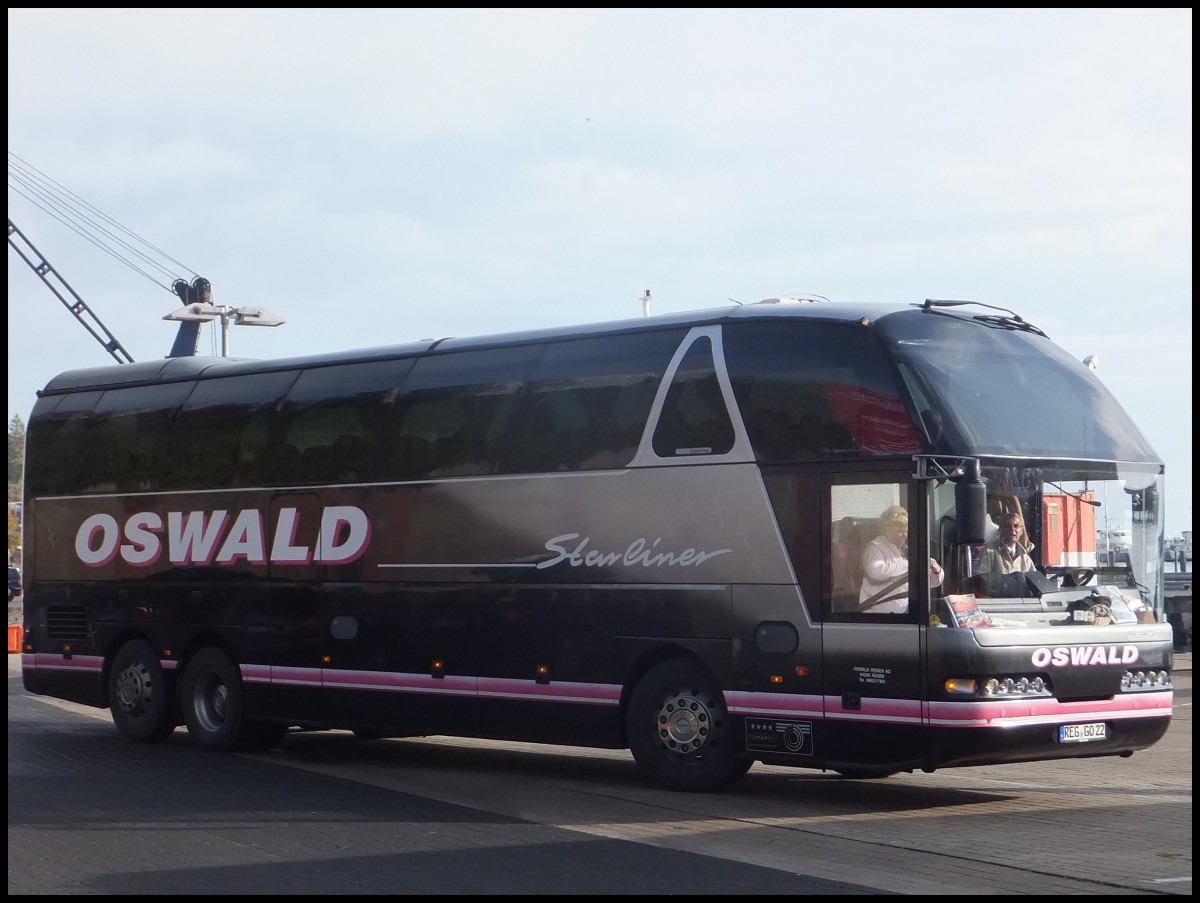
139,696
678,729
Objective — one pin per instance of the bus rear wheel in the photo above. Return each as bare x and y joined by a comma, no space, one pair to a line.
214,707
678,729
212,700
139,695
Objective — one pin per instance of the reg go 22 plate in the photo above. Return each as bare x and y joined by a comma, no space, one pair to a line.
1082,733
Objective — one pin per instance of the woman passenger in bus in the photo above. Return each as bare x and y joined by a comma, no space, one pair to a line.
885,566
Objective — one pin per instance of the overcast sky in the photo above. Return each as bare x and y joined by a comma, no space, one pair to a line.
377,177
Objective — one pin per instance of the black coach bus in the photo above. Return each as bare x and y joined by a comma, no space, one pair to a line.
749,534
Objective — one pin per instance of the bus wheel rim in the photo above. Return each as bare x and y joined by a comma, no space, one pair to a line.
684,723
212,703
134,688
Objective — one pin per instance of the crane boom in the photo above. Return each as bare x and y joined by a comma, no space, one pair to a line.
78,306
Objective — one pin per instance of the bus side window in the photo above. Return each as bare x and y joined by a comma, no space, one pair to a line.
815,390
694,420
221,434
439,422
529,444
869,557
408,457
335,423
461,402
601,390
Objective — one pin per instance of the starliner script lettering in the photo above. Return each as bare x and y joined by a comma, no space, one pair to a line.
641,551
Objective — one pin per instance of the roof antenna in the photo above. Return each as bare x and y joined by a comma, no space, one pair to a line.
646,299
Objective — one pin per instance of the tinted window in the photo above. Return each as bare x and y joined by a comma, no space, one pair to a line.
129,433
58,432
454,408
813,390
226,431
694,419
1007,391
110,441
587,403
337,423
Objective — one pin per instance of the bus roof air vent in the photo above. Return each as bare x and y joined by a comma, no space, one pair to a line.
795,299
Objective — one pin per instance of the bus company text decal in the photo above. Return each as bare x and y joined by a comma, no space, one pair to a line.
205,538
641,551
1061,656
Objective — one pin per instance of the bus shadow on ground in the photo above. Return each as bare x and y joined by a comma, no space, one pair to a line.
533,766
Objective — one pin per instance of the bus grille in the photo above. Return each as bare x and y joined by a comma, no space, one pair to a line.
66,623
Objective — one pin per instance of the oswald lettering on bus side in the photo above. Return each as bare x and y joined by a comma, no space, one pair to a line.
640,551
204,538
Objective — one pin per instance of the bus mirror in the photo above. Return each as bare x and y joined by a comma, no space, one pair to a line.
970,506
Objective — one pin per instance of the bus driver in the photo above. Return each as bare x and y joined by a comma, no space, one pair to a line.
1005,554
885,566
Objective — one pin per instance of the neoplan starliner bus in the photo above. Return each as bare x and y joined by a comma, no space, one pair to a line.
642,534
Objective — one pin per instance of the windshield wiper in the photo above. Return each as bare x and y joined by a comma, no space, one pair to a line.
1009,320
1076,496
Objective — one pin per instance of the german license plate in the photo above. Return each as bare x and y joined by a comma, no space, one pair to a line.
1082,733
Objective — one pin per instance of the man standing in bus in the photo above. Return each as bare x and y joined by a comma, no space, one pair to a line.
1005,554
885,566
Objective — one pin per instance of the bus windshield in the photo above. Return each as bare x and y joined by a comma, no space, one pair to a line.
1009,392
1059,531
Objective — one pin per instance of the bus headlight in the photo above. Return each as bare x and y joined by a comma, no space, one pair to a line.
1021,685
1145,680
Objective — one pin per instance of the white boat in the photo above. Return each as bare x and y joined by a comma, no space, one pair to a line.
1115,539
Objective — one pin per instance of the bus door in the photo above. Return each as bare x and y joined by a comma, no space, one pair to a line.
872,683
298,638
328,633
396,623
